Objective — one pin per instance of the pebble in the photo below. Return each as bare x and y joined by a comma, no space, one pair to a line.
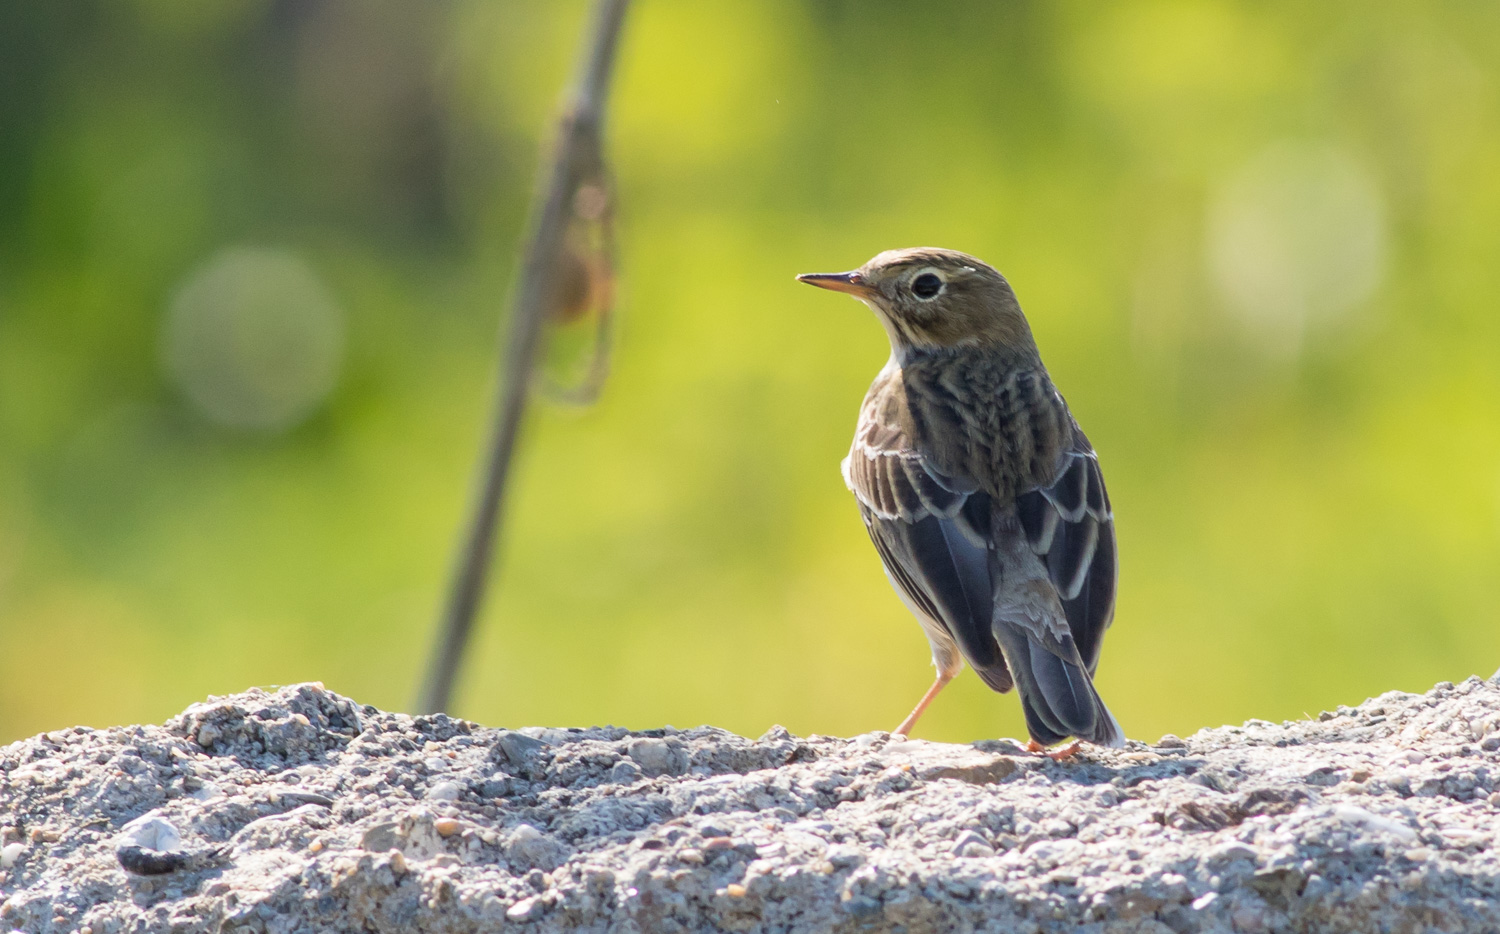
845,855
10,853
151,832
657,757
531,847
1250,919
525,909
380,837
625,773
517,748
445,791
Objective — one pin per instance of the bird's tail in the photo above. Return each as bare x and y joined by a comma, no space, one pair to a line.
1057,694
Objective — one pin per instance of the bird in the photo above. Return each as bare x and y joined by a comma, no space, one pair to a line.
982,495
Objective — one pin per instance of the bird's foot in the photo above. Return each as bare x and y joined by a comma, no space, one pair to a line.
1056,755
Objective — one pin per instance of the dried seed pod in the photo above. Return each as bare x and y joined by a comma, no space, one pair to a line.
576,360
573,286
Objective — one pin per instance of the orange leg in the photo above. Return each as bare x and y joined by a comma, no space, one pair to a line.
1057,755
911,719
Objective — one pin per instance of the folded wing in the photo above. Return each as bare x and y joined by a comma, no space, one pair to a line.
932,531
1070,526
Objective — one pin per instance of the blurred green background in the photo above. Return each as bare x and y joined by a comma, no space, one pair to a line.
253,258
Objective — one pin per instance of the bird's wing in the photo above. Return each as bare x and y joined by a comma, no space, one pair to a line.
932,532
1070,526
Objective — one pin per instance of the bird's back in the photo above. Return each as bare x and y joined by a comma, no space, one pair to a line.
991,415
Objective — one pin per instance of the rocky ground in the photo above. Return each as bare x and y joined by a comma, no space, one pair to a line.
299,810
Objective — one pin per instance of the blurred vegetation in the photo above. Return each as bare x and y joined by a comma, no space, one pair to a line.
1256,241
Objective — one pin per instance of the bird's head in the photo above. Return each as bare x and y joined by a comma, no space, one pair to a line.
929,298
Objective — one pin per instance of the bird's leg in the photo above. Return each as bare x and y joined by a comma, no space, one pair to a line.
943,677
1056,755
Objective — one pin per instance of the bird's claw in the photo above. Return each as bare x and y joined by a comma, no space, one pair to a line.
1056,755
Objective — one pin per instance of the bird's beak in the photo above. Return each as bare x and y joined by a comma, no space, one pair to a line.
851,282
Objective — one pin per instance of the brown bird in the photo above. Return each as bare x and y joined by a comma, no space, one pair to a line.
981,493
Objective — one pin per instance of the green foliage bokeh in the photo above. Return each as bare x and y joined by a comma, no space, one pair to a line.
1303,522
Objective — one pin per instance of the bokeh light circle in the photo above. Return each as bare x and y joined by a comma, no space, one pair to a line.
1296,239
254,339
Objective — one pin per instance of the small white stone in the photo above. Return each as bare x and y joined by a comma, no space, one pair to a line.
208,734
207,792
656,757
445,791
151,832
523,910
10,853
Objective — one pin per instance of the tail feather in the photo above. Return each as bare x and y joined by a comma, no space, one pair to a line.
1108,732
1057,695
1065,692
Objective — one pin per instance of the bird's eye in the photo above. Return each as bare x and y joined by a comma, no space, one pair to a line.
926,286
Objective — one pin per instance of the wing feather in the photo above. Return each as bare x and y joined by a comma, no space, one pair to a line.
931,530
1070,525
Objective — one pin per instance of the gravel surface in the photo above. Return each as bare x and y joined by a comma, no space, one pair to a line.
300,810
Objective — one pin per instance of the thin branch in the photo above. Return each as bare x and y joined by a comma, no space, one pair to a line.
577,157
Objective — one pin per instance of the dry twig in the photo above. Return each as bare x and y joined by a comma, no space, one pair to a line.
577,169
